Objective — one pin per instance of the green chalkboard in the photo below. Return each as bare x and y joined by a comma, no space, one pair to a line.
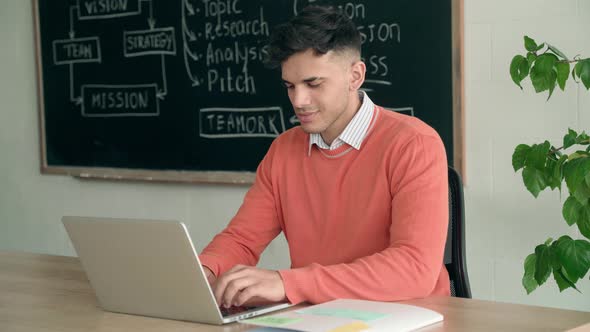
176,89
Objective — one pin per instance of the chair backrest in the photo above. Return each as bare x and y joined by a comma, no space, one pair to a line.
455,245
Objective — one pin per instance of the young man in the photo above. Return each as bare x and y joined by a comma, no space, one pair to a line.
360,192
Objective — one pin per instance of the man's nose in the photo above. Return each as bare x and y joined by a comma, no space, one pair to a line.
300,97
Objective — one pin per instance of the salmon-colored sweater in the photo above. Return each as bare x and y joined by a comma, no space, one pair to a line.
364,224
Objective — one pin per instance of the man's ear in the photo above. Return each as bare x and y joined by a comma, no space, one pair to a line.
357,75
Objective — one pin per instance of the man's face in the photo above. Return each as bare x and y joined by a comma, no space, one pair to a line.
319,87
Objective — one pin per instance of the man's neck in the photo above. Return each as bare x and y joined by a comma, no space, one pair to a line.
353,109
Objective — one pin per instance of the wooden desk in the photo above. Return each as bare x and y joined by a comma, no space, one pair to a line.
52,293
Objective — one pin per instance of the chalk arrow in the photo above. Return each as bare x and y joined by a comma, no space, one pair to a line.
186,51
293,120
72,32
77,100
162,93
189,8
190,53
151,21
188,67
187,31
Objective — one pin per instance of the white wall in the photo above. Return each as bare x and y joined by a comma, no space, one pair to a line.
504,222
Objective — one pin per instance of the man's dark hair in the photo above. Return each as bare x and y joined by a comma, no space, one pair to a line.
319,28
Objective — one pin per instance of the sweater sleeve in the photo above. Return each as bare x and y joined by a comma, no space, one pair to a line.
411,265
249,232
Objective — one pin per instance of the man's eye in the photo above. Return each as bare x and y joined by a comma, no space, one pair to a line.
288,86
314,85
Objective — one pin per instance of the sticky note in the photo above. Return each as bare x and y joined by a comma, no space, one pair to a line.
272,321
364,316
352,327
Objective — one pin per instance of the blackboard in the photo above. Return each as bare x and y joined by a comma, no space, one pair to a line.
176,90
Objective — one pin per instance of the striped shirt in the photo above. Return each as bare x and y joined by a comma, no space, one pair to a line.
355,131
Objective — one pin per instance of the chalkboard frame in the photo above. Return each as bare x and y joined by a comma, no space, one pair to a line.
243,178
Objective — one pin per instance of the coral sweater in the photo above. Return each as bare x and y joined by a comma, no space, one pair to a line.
367,224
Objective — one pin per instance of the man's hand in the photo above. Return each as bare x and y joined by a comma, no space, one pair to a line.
209,274
247,285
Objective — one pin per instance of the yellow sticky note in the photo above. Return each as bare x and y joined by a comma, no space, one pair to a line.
352,327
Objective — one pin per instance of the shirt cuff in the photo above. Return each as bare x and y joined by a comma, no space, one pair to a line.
211,263
296,283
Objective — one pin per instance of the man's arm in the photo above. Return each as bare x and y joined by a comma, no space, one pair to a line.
254,226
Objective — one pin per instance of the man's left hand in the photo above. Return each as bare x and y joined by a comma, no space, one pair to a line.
247,285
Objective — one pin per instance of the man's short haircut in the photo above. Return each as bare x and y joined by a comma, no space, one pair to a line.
319,28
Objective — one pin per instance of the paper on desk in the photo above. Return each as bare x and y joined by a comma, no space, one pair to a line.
351,316
269,329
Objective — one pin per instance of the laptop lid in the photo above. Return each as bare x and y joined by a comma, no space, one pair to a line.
146,267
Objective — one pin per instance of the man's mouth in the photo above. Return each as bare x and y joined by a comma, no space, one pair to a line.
306,117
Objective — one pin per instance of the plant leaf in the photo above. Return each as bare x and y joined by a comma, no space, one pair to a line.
531,57
571,211
534,180
583,72
519,156
574,256
528,279
570,279
556,51
584,224
537,155
553,172
558,172
570,138
574,156
543,76
519,69
562,281
530,44
535,175
543,263
575,171
582,192
583,139
563,72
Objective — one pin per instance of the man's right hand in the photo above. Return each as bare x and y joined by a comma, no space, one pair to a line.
209,274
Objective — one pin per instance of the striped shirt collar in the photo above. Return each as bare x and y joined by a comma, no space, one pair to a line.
355,131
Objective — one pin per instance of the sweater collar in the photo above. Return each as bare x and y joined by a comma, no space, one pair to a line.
354,133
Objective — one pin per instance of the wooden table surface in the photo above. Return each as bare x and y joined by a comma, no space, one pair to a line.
51,293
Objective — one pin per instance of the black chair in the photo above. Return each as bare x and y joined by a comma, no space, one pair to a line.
455,245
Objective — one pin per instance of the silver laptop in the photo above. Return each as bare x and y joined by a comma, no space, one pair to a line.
148,267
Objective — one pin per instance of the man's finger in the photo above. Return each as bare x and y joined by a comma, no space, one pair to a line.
250,296
223,282
235,288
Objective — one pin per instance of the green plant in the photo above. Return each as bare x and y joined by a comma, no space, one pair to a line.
545,166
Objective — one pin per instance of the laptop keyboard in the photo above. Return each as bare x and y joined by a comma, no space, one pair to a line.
233,310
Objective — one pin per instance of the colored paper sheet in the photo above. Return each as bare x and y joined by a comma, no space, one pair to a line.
365,316
272,321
